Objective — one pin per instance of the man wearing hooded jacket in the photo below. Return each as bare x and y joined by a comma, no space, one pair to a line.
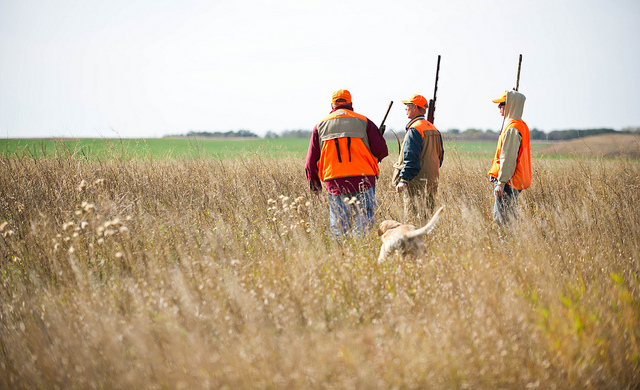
344,151
511,166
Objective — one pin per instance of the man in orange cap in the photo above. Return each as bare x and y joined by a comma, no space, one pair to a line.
344,151
417,170
511,165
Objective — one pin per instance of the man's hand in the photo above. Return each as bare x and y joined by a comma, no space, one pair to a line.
401,187
499,191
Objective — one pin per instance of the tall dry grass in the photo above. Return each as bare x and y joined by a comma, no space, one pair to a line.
223,274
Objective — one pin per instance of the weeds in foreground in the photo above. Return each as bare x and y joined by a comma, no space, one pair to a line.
223,274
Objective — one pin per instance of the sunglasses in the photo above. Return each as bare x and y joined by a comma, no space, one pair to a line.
502,104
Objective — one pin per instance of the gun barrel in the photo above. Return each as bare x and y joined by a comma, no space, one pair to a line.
432,102
435,88
385,115
518,78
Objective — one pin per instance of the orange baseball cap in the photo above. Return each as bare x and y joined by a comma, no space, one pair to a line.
501,99
341,96
418,100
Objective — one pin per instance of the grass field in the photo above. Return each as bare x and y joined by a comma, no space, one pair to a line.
604,145
220,273
153,148
180,148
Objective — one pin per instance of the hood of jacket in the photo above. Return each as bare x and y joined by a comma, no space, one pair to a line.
514,106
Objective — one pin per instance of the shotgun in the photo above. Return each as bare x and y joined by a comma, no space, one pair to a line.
382,128
516,88
518,78
432,103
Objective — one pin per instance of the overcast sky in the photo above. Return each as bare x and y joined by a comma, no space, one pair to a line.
148,68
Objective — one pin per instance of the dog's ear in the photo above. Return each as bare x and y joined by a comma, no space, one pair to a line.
387,225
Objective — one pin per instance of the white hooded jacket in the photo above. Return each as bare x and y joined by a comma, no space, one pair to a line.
512,138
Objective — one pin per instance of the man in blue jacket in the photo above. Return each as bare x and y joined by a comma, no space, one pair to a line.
417,170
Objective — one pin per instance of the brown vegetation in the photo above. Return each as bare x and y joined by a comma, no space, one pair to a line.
606,145
223,274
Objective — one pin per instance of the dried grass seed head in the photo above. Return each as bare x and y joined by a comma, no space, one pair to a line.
82,186
88,207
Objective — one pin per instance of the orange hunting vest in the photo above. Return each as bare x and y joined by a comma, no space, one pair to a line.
422,126
344,146
521,178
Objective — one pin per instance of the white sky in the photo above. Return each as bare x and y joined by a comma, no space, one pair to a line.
148,68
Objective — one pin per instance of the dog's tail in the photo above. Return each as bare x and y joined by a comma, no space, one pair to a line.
426,229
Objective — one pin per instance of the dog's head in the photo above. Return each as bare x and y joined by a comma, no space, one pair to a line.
387,225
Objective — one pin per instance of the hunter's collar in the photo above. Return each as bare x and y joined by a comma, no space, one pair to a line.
414,120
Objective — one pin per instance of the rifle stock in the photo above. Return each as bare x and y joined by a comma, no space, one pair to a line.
431,111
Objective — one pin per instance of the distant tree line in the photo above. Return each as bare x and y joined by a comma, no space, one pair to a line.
489,135
216,134
299,133
562,135
471,134
535,134
226,134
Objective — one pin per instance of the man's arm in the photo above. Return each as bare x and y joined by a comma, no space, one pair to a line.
311,166
411,158
377,143
412,152
441,156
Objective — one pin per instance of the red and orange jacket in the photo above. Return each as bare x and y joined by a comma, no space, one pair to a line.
344,152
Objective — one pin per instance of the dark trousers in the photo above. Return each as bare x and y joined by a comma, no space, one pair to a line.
505,207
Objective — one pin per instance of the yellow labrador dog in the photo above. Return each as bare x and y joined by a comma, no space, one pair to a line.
405,239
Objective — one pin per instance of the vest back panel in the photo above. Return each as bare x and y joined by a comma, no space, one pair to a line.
344,146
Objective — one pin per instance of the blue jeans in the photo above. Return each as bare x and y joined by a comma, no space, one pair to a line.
352,213
504,208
